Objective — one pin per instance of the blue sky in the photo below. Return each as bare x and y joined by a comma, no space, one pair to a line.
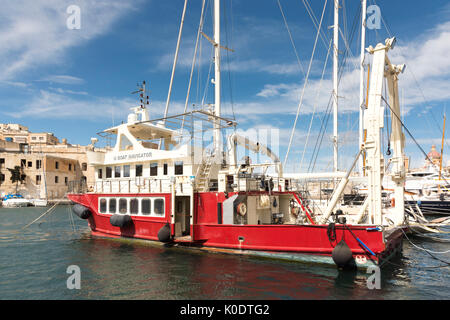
76,83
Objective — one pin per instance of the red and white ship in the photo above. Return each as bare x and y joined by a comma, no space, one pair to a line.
160,183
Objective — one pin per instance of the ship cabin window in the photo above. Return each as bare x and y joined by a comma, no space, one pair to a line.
154,169
165,167
117,172
123,205
126,171
178,167
108,172
159,207
100,173
146,207
139,170
125,143
102,207
112,205
134,206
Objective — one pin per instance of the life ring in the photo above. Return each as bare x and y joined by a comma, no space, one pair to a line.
242,209
295,211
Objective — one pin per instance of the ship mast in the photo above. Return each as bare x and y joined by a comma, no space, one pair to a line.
335,84
217,89
362,105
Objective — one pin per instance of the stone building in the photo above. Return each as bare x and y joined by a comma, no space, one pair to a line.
49,166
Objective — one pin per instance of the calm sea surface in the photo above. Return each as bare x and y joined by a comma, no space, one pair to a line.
34,262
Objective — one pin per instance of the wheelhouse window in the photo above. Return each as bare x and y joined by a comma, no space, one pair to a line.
112,205
123,205
134,206
178,167
158,207
117,172
108,172
139,170
126,171
154,169
146,207
102,207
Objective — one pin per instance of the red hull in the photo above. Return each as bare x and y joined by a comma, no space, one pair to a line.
276,238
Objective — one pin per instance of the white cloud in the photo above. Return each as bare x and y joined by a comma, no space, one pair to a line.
64,79
34,33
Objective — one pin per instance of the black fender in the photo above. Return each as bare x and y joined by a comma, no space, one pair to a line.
81,211
164,233
120,220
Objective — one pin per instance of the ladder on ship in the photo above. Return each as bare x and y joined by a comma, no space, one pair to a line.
202,178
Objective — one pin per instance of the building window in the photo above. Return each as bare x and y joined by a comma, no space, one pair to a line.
139,170
178,167
56,165
112,205
102,207
100,173
38,164
70,167
30,164
38,179
134,206
123,205
126,171
56,179
108,172
159,207
33,138
166,166
23,163
2,178
66,180
146,206
84,166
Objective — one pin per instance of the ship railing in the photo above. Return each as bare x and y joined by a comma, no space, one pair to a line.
183,185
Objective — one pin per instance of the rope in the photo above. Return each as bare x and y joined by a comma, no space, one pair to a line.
46,212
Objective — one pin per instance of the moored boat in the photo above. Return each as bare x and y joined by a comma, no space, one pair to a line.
162,184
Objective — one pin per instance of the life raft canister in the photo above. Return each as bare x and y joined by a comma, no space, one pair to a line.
393,202
81,211
241,209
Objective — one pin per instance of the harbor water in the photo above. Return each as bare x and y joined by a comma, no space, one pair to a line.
34,264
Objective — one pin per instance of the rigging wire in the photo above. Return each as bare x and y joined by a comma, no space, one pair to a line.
290,37
304,85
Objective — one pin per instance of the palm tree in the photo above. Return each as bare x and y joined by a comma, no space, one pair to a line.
17,175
